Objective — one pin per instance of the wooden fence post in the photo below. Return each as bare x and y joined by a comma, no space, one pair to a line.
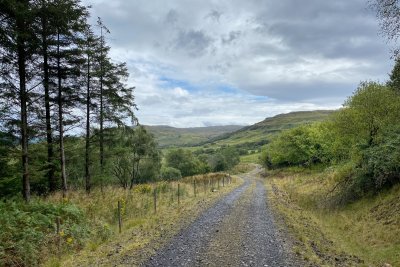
223,181
179,194
194,187
58,227
119,217
155,200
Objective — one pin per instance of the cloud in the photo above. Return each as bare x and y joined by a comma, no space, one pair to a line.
195,43
311,54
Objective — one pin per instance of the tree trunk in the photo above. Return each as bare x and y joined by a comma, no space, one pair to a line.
23,97
101,106
134,172
87,139
60,121
49,133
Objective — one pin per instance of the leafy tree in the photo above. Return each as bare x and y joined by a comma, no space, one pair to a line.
372,108
218,162
231,156
137,158
169,173
388,13
183,160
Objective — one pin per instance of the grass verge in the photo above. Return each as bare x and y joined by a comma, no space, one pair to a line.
364,233
144,228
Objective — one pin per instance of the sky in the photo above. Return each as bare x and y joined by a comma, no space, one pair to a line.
218,62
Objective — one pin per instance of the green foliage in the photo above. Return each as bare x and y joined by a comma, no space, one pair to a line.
170,173
303,145
363,138
394,82
224,159
372,109
10,183
136,157
218,162
189,163
26,228
184,161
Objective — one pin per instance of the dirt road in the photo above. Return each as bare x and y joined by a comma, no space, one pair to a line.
239,230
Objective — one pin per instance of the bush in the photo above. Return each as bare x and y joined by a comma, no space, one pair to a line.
142,188
27,228
170,173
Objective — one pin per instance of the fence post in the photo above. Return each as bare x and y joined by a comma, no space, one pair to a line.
155,200
223,181
179,194
218,182
119,217
194,187
58,223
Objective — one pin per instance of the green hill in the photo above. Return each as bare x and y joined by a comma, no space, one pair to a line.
249,137
256,135
167,136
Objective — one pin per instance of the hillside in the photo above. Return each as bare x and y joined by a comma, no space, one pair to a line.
167,136
253,136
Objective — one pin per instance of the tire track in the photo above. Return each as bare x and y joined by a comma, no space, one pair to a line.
237,231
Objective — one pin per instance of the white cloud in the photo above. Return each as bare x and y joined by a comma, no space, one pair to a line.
306,56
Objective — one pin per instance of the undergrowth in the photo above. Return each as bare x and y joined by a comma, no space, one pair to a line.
87,223
28,232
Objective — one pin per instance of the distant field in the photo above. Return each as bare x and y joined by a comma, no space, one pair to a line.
250,158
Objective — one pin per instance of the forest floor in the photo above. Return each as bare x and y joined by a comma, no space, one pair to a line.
238,230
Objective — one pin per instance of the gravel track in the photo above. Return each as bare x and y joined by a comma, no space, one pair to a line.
238,230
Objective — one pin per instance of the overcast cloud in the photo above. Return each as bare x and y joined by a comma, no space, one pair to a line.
209,62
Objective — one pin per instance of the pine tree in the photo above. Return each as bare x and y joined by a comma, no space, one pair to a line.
45,23
70,24
116,102
88,47
18,44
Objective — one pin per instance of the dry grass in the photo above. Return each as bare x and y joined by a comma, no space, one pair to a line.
144,228
243,168
365,233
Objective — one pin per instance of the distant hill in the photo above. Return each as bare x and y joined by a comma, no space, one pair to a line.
253,136
167,136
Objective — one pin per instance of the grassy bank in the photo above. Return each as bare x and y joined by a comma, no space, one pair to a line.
250,158
364,233
88,231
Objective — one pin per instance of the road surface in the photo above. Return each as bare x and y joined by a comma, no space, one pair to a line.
239,230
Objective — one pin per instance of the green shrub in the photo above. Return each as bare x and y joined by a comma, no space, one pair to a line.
170,173
26,229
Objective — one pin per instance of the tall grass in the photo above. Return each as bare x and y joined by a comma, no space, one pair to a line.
363,233
29,234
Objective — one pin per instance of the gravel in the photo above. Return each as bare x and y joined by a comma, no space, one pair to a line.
239,230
